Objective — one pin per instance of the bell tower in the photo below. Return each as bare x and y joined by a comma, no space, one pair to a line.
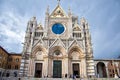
88,47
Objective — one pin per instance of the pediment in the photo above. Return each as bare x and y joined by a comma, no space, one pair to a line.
57,42
39,42
75,43
58,13
76,27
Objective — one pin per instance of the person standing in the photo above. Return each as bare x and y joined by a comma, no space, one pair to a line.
66,75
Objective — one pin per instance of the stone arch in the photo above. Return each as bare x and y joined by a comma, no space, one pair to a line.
75,53
38,52
101,70
57,51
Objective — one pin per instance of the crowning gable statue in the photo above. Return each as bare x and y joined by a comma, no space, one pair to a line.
62,46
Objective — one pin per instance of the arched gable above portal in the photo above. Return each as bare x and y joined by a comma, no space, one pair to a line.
77,44
39,55
38,49
76,53
57,51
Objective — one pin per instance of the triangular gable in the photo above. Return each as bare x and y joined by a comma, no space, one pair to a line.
58,12
74,43
39,42
76,27
57,42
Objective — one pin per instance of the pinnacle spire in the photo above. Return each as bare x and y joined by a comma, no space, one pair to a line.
58,2
47,11
69,10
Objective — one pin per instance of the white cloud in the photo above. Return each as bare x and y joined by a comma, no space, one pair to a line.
12,30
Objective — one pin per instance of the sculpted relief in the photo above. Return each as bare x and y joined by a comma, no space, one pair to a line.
75,55
39,55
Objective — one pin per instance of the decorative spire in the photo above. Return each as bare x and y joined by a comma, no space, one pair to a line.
58,2
69,11
47,11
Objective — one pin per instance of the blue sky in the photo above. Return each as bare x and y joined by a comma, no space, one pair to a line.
103,17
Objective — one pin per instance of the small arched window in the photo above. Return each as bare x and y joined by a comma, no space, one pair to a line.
77,35
38,34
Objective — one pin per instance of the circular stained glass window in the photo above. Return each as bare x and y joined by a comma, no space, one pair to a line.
58,28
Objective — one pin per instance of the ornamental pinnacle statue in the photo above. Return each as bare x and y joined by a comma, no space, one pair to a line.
61,46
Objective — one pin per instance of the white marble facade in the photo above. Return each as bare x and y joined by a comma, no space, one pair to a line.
70,50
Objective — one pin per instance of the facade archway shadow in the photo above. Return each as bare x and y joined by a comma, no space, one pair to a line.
101,70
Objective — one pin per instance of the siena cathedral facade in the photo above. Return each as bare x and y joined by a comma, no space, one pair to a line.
60,47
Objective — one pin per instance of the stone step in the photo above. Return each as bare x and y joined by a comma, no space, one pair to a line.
15,78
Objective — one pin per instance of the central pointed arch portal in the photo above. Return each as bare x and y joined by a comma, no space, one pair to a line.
56,62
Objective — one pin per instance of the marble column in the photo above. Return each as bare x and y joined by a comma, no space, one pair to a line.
50,67
106,67
29,67
83,68
107,72
118,69
46,66
69,67
65,66
96,70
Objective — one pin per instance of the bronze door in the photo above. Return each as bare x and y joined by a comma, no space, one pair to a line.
57,68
